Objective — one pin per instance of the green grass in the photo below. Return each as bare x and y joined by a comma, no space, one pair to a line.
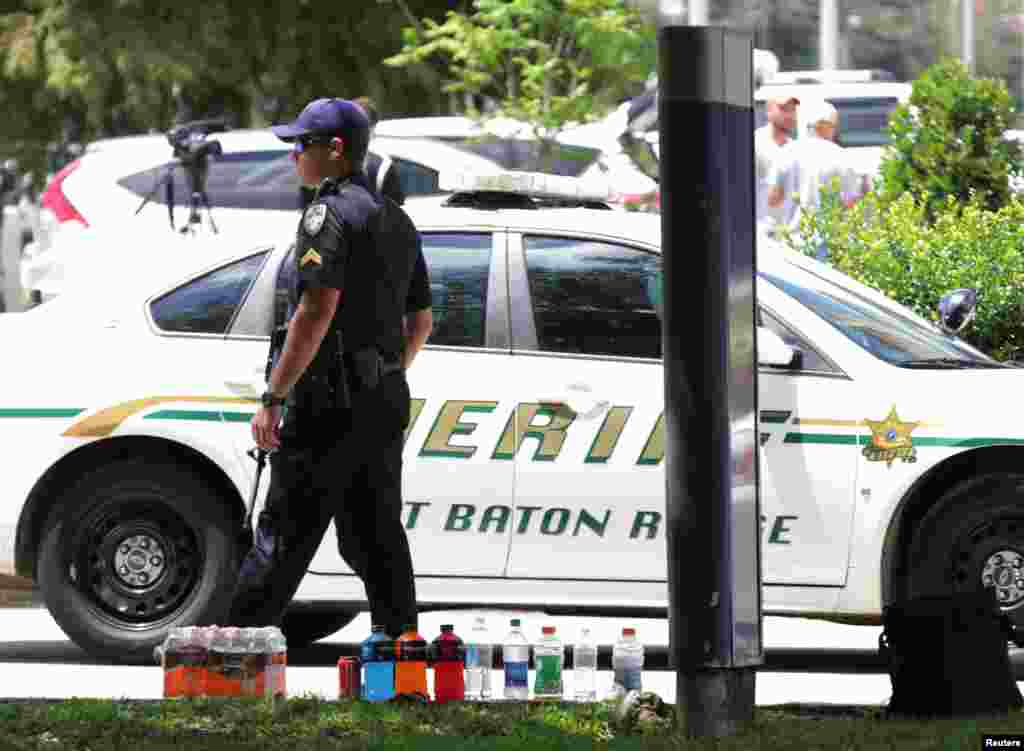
312,723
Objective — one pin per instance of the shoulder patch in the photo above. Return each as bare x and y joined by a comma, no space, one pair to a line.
313,219
311,256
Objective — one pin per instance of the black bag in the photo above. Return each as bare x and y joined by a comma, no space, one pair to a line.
948,656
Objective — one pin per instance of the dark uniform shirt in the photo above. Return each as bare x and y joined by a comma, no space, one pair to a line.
366,246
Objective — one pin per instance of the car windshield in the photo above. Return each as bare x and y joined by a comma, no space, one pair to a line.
524,154
862,120
897,339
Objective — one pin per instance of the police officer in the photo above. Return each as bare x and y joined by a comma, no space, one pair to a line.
380,170
361,313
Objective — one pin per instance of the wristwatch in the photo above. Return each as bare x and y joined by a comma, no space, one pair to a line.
267,399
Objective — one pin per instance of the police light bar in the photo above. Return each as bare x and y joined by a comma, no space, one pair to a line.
536,184
829,76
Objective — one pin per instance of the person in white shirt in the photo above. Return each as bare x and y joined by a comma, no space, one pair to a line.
809,164
769,139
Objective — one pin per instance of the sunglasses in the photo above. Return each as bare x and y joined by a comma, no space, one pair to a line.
304,142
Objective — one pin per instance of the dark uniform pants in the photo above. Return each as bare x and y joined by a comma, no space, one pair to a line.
344,465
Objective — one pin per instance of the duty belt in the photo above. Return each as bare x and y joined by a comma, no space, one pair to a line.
387,368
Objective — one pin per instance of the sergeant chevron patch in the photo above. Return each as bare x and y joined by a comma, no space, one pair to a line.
311,256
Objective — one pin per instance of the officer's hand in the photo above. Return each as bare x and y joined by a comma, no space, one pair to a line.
266,430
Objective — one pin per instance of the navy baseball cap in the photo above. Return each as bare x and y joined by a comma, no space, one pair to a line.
329,117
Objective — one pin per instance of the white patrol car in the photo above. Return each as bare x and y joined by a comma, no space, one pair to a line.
534,463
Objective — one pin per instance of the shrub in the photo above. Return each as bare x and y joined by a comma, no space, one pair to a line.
893,247
948,141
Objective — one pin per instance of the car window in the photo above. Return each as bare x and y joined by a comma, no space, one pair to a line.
812,360
458,265
416,179
206,305
240,180
889,336
522,154
594,298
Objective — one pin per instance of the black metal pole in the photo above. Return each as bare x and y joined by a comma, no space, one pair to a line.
706,126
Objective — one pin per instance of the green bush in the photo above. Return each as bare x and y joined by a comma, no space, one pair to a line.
948,141
893,247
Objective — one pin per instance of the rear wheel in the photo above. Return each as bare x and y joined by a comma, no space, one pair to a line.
302,627
974,538
133,549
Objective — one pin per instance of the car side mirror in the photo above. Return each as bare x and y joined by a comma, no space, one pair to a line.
774,352
957,309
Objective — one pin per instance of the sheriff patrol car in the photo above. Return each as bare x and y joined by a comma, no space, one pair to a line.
534,462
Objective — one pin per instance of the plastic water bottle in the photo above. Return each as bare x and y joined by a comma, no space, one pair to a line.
377,655
446,654
584,667
276,676
479,661
628,662
548,657
516,656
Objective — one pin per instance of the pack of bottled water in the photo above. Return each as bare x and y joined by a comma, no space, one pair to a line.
223,661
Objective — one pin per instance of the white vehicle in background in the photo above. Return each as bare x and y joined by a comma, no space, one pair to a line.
249,186
533,467
589,151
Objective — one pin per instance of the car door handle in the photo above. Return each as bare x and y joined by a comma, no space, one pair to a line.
579,397
249,387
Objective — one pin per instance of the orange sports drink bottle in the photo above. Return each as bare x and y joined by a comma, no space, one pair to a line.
225,672
171,662
411,666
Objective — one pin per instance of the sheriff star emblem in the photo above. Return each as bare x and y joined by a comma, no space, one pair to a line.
314,217
311,256
890,440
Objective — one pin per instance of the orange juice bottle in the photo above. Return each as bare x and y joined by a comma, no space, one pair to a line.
411,666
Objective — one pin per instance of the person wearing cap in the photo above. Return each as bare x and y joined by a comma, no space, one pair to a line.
769,139
380,170
809,164
361,313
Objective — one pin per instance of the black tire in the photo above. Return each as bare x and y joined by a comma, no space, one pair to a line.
303,627
973,538
108,523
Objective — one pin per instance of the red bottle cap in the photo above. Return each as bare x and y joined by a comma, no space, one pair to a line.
548,630
629,632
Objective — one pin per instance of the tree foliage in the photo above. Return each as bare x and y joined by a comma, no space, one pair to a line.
83,69
915,255
546,62
948,140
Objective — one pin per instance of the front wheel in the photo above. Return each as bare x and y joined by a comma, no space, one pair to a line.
133,549
971,539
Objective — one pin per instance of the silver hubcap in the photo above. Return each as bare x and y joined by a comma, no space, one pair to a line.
139,561
1004,571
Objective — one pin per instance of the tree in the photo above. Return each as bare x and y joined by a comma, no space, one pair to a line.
546,62
948,141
